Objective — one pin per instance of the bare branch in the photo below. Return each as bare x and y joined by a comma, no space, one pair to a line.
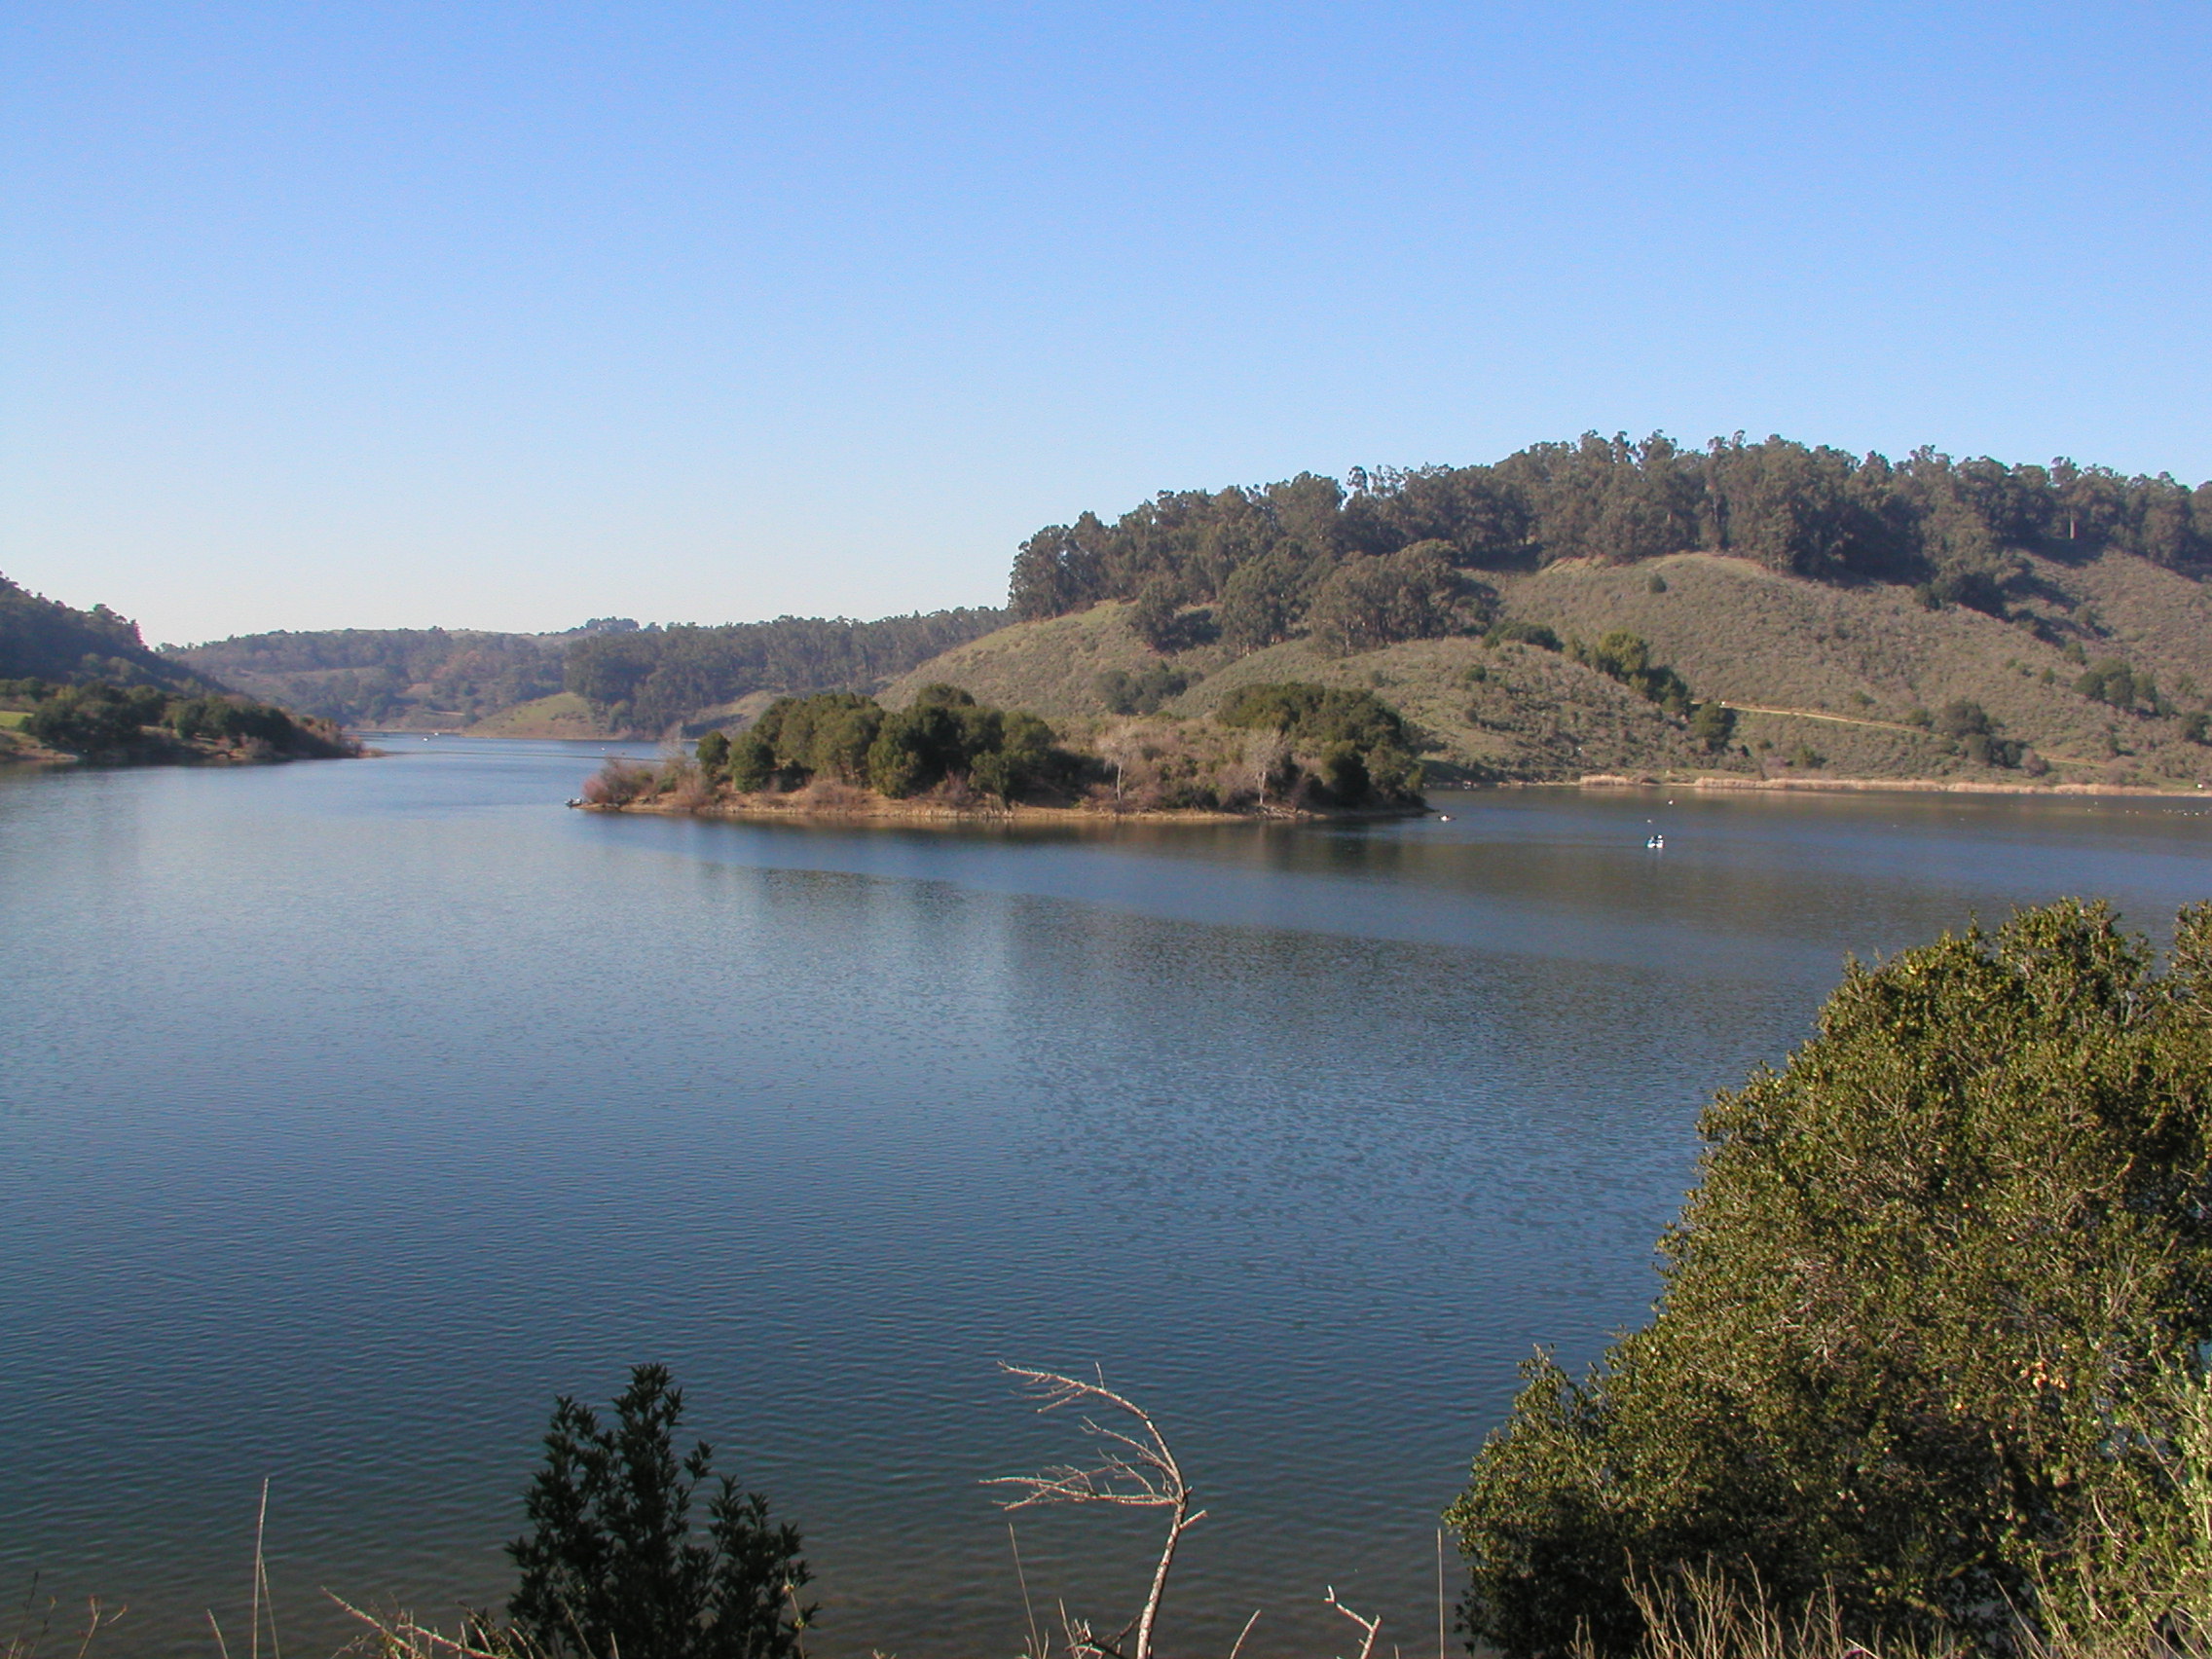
1133,1471
1368,1627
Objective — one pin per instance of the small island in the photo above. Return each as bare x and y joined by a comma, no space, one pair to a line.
1291,750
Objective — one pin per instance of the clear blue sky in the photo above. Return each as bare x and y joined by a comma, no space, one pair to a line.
506,316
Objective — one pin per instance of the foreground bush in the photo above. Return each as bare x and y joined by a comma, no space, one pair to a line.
1929,1326
611,1568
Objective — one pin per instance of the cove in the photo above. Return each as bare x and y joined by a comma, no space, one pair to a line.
350,1112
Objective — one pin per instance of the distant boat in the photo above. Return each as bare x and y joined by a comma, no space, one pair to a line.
1657,843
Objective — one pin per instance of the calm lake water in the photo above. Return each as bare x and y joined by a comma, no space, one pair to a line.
351,1111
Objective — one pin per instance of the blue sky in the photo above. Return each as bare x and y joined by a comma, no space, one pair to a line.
508,315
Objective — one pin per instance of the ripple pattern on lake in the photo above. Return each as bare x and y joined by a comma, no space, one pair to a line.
350,1112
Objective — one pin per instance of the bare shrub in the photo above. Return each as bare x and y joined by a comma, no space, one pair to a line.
1266,757
959,793
827,795
692,791
617,783
1133,1469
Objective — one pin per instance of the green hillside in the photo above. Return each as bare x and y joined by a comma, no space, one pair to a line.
1823,680
43,639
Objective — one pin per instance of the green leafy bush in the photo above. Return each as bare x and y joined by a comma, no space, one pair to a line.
1523,633
1336,727
1126,694
1712,726
1916,1321
98,719
944,734
1624,657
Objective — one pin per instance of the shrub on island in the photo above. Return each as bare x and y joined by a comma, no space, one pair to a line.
945,735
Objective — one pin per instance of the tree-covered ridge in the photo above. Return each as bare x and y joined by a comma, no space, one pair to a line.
1929,1334
43,639
654,678
633,679
1277,558
371,676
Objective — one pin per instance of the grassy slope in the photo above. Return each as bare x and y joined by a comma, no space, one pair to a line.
1047,666
562,715
1867,655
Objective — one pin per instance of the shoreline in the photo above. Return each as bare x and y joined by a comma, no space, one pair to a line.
1851,785
884,810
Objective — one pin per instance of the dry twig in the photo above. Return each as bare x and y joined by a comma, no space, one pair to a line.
1368,1627
1133,1471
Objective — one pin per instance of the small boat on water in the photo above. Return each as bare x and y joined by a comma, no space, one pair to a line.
1657,843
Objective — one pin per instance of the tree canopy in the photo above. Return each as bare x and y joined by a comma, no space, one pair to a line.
1265,556
99,719
1360,748
652,678
1917,1320
844,737
44,638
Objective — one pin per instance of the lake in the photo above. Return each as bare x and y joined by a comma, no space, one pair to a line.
351,1112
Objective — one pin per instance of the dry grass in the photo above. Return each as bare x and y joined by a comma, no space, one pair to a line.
1049,667
562,715
1866,658
1707,1616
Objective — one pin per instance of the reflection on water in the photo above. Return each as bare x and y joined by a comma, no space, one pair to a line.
350,1112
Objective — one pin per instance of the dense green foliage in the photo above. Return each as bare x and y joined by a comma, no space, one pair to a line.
611,1566
944,734
1623,657
1920,1319
1265,558
42,638
102,721
2111,681
654,678
1712,726
1362,750
1141,693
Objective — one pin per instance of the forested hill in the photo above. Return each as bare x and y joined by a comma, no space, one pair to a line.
1267,558
392,677
43,639
606,676
1772,609
659,677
